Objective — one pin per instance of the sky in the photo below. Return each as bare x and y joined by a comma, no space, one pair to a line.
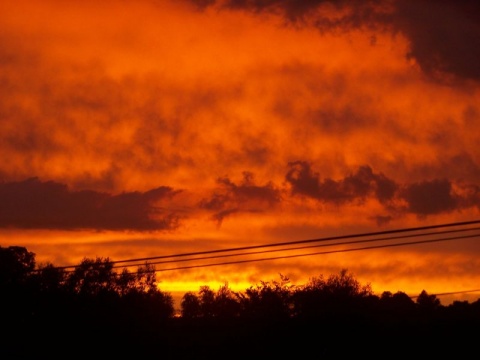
138,129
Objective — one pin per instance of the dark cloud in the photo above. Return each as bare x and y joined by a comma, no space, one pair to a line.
50,205
463,166
247,196
341,121
468,195
382,220
365,182
471,116
221,215
247,190
202,4
303,180
420,198
444,35
355,187
429,197
292,9
353,13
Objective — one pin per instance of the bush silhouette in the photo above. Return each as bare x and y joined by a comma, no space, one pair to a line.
100,308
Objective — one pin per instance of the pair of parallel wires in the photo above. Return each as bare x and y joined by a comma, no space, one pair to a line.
360,242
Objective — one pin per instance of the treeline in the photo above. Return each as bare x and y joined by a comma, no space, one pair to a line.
94,307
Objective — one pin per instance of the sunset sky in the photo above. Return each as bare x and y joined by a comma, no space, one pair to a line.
144,128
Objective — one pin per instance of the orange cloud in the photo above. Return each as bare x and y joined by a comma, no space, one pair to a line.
277,120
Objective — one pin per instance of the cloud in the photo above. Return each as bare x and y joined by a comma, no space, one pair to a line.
202,4
230,198
444,35
50,205
354,187
71,118
422,198
325,12
468,195
429,197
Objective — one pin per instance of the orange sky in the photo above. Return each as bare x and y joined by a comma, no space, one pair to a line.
146,128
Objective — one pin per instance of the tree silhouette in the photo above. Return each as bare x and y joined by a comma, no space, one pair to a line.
126,283
190,306
49,278
16,263
94,307
396,307
141,301
226,303
16,290
268,299
208,304
331,297
428,303
207,301
92,277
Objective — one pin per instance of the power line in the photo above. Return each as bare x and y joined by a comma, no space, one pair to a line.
230,252
316,253
309,247
292,256
330,238
449,293
296,255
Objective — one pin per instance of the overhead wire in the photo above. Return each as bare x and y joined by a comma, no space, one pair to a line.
316,246
415,232
449,293
316,253
238,251
330,238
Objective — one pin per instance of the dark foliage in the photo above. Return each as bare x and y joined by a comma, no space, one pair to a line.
95,311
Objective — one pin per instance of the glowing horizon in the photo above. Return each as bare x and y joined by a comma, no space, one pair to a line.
134,129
